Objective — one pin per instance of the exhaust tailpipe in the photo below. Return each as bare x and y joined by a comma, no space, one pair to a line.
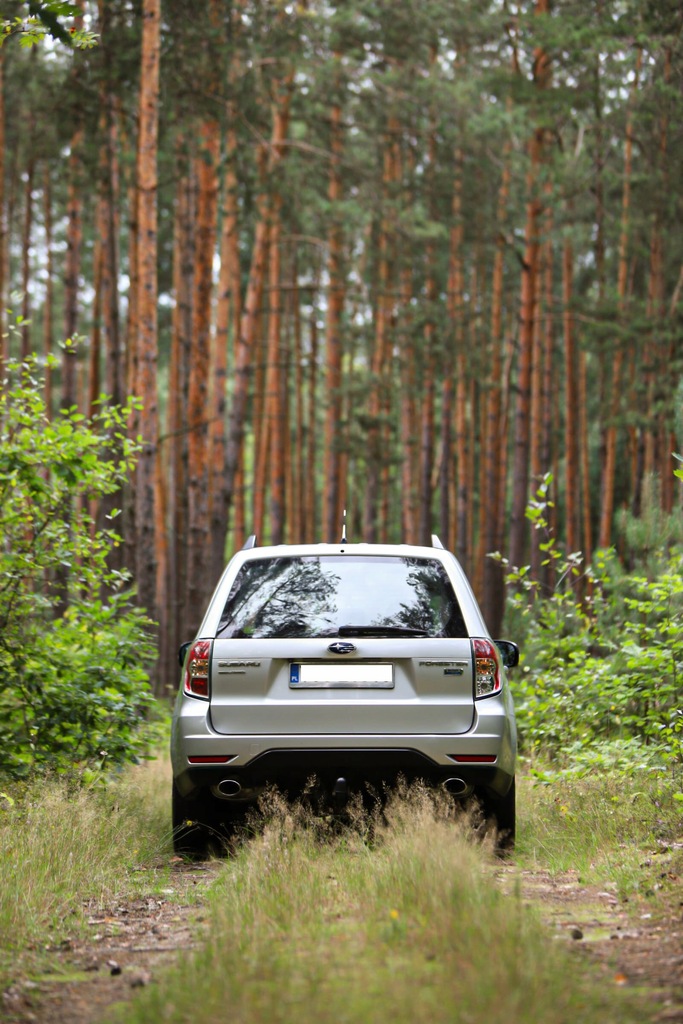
456,787
229,787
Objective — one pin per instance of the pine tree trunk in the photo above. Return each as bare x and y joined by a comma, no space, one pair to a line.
379,351
427,441
94,388
614,396
457,537
269,453
178,387
147,525
310,505
74,241
201,574
409,431
428,478
228,308
493,491
48,307
246,339
130,345
549,413
27,229
261,424
529,293
333,347
25,258
277,409
108,272
296,530
108,215
584,461
572,432
665,355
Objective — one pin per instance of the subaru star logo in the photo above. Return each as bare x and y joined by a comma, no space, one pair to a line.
342,647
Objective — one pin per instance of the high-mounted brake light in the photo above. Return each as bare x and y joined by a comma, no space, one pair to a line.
196,678
487,679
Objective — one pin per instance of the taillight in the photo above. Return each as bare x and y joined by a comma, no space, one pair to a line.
196,678
487,680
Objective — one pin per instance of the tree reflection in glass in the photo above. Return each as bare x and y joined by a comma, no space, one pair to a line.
319,596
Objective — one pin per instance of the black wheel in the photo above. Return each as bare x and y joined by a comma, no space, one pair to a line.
203,824
502,813
192,825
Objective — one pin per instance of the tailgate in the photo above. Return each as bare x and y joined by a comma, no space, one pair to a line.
399,687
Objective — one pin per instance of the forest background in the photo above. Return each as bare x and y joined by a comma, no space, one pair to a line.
414,260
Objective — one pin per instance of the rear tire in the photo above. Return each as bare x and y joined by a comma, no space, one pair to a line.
192,826
203,825
501,812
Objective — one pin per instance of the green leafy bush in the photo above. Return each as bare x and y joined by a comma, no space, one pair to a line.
602,667
73,686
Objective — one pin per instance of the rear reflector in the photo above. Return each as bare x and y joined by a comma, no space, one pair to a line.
473,758
212,759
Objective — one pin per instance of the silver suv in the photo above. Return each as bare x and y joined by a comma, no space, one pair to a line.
335,669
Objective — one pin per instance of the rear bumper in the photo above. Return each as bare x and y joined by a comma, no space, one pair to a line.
293,771
289,761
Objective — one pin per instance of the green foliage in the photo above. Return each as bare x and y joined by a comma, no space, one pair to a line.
600,684
73,686
43,19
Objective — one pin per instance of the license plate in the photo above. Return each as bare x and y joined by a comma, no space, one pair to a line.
367,676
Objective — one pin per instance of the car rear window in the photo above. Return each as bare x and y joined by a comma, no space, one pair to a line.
335,595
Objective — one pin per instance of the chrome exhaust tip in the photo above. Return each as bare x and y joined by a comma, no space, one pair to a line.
229,787
456,787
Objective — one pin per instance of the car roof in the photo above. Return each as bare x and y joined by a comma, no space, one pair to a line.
292,550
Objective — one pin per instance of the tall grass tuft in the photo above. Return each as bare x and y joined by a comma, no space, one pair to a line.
397,920
61,846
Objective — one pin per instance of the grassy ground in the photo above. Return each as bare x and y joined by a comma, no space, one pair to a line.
61,846
401,923
601,826
400,920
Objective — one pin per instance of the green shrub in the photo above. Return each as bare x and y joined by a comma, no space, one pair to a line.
73,686
602,665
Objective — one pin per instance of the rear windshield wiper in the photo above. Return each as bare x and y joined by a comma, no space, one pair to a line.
380,631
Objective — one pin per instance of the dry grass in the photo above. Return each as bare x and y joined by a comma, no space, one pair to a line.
61,846
392,916
398,920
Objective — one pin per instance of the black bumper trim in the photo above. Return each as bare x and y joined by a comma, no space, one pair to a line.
291,770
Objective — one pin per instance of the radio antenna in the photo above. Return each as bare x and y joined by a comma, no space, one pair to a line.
343,540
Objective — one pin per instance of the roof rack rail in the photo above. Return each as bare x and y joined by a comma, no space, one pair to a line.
436,543
250,542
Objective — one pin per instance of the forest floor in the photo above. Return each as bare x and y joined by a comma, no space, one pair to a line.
636,943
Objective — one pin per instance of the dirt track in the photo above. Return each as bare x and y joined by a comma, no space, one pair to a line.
628,943
131,942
